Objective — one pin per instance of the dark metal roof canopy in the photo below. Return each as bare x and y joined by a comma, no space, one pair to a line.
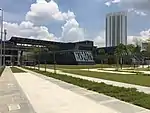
42,42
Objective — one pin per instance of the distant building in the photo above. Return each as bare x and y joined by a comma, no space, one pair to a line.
116,29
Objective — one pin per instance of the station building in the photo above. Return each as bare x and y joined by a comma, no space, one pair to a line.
18,50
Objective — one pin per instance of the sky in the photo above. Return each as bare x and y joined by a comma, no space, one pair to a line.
73,20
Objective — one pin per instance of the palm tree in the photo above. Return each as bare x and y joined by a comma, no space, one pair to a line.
130,49
119,53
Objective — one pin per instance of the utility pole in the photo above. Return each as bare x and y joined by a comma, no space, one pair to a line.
1,37
5,34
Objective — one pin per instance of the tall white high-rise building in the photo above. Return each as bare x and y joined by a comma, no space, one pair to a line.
116,29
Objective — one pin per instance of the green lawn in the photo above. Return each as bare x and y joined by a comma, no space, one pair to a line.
81,66
132,79
130,95
16,70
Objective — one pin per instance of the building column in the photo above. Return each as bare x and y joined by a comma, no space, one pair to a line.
111,30
18,59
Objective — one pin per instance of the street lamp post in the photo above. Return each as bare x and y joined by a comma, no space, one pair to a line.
5,34
1,36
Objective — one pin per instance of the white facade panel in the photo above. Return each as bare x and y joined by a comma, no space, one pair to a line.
116,29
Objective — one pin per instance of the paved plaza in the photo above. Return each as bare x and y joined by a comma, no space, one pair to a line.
70,97
32,92
12,98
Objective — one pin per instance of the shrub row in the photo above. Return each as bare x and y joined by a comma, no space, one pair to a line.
1,70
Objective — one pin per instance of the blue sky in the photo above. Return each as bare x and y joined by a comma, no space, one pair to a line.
89,14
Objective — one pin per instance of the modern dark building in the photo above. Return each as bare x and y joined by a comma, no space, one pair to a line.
75,57
19,50
108,57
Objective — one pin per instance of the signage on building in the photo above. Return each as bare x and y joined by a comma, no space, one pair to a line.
83,56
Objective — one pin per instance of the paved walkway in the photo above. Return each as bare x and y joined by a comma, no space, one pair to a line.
109,82
108,71
112,70
12,98
48,95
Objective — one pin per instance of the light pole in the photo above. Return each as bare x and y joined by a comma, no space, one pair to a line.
54,60
5,34
1,36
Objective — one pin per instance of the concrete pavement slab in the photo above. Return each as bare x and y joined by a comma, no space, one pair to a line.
109,102
11,95
47,97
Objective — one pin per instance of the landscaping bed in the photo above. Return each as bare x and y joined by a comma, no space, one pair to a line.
81,66
16,70
1,70
137,79
130,95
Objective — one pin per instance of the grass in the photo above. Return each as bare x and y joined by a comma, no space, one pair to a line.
82,66
16,70
132,79
77,66
1,70
130,95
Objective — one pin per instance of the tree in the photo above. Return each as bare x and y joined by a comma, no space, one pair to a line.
36,55
102,54
147,52
53,49
119,53
137,49
130,49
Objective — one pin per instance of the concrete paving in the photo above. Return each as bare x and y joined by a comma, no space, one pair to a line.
12,98
48,95
109,82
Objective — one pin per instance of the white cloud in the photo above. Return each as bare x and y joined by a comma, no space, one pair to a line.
71,31
137,39
28,29
99,40
140,7
42,11
131,39
145,33
110,2
137,12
